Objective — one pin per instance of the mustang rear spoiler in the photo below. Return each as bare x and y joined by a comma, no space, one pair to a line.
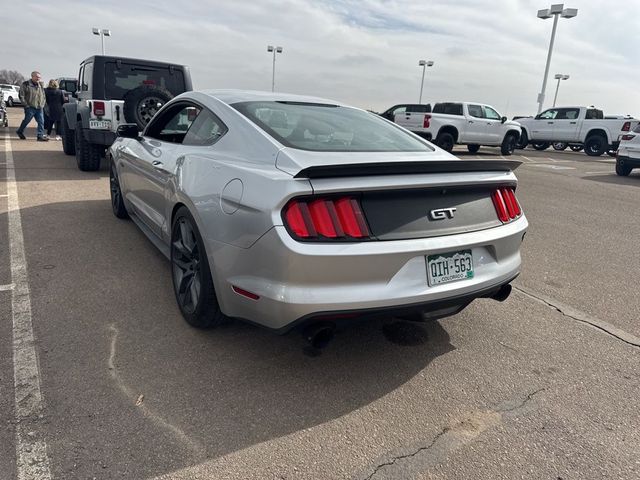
404,168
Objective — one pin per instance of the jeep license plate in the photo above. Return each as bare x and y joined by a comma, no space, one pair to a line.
449,267
100,124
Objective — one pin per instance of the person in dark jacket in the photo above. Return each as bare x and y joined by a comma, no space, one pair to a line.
32,97
53,110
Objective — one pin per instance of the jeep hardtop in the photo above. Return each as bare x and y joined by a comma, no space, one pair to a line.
112,91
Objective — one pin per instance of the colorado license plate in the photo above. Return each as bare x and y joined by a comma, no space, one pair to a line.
449,267
101,124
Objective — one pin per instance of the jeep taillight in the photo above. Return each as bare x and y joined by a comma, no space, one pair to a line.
98,109
426,121
506,204
626,127
321,218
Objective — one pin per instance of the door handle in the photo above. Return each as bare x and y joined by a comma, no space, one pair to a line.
550,123
470,121
573,123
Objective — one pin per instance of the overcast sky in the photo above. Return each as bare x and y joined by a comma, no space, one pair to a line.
361,52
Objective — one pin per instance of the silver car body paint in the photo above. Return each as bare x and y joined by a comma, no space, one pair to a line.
236,190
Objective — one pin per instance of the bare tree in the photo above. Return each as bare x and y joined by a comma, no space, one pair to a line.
11,76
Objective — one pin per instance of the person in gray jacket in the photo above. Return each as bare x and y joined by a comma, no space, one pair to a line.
33,98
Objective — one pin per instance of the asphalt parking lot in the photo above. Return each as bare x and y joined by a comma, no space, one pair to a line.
541,386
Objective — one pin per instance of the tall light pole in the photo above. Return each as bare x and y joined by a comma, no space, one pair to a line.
271,48
554,11
423,64
102,32
559,76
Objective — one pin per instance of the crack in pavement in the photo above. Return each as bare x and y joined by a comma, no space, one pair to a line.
452,437
582,317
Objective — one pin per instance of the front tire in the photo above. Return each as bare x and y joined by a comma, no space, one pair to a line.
192,282
595,145
559,146
523,140
508,144
445,141
540,145
88,155
473,148
117,201
68,138
575,148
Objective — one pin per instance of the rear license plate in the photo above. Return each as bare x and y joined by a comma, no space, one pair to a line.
449,267
101,124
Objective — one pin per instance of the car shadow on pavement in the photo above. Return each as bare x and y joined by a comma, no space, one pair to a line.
132,390
633,179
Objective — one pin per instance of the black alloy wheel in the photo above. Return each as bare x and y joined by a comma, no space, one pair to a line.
192,282
559,146
575,148
445,141
540,145
595,145
117,202
508,144
523,140
473,148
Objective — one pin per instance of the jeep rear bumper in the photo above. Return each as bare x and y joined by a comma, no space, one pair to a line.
100,137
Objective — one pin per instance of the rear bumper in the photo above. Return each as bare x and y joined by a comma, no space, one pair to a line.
100,137
298,281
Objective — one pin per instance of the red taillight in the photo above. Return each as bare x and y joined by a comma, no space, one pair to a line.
626,127
627,137
425,122
326,218
98,109
506,204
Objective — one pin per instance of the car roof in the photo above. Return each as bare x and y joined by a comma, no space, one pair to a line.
230,97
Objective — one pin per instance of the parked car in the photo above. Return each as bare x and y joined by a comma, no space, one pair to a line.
11,94
391,113
4,121
575,126
69,87
113,91
463,123
628,154
286,210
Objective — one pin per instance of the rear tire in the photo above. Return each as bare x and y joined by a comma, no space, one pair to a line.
575,148
540,145
88,155
523,140
68,138
192,282
595,145
559,146
445,141
622,170
508,144
473,148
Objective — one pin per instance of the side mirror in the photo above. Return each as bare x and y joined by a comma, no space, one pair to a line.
128,130
504,119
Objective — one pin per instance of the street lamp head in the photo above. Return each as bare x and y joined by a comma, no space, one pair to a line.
544,14
422,63
565,77
96,31
279,49
269,48
569,12
557,8
106,33
558,76
430,63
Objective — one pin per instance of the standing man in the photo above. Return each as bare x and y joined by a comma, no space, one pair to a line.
33,98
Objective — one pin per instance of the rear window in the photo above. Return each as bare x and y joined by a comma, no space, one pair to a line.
323,127
448,108
118,81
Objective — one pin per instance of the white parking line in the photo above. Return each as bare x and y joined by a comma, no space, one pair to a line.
526,158
31,449
6,288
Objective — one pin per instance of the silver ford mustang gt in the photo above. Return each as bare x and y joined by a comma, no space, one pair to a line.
285,210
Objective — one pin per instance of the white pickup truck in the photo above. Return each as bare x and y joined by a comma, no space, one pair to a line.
463,123
575,126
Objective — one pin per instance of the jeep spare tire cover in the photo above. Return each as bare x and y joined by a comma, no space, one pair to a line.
142,103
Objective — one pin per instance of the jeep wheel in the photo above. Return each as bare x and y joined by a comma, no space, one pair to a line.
595,145
143,102
445,141
473,148
508,144
68,138
87,154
